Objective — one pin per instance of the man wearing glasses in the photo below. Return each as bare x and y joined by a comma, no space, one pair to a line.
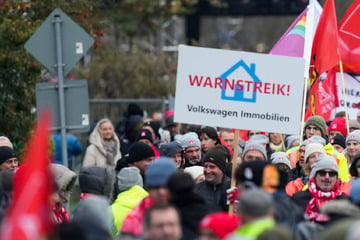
324,186
190,142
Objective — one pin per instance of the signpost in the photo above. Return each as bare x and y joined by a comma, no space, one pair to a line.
59,44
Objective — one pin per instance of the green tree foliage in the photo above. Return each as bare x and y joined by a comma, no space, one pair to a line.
19,72
119,74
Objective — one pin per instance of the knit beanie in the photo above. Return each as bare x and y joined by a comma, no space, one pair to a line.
250,173
290,140
5,141
190,139
144,134
155,125
216,157
129,177
338,124
319,122
324,162
353,123
353,136
6,153
169,149
314,139
221,223
280,157
250,145
159,171
259,138
194,171
139,151
313,148
339,140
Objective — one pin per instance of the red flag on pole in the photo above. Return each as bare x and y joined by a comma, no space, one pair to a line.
349,38
28,217
324,57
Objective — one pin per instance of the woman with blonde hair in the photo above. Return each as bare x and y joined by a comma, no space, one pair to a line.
104,148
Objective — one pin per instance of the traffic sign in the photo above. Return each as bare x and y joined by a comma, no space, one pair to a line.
75,42
76,102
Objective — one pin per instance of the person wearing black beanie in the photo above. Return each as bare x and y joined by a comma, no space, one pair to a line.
8,160
140,156
213,189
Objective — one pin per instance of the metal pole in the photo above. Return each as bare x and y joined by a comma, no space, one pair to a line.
57,21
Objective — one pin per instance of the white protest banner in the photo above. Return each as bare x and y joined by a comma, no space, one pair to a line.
239,90
352,91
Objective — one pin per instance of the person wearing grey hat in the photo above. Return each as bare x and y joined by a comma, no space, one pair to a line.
292,141
256,211
190,142
352,145
130,185
254,150
156,178
324,186
282,160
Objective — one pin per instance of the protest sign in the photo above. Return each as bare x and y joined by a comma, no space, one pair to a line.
352,91
239,90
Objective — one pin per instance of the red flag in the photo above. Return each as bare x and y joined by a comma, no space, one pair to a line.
349,38
324,57
28,217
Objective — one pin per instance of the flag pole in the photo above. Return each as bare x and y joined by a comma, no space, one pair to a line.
303,110
344,95
234,165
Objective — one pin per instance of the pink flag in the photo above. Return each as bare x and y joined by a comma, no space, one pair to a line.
293,40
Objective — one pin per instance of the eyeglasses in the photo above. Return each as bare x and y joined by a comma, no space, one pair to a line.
323,173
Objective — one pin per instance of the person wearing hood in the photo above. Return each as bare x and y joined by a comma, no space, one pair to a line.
64,182
104,149
96,181
93,216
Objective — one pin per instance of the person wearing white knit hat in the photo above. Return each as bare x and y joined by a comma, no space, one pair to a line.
312,152
196,172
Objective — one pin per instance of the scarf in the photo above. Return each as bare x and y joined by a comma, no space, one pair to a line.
110,147
61,214
320,197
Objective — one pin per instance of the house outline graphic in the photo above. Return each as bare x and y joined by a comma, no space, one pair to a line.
239,95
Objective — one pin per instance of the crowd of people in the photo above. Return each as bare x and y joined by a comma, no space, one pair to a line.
144,180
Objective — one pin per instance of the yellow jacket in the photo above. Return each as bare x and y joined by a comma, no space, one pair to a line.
124,203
